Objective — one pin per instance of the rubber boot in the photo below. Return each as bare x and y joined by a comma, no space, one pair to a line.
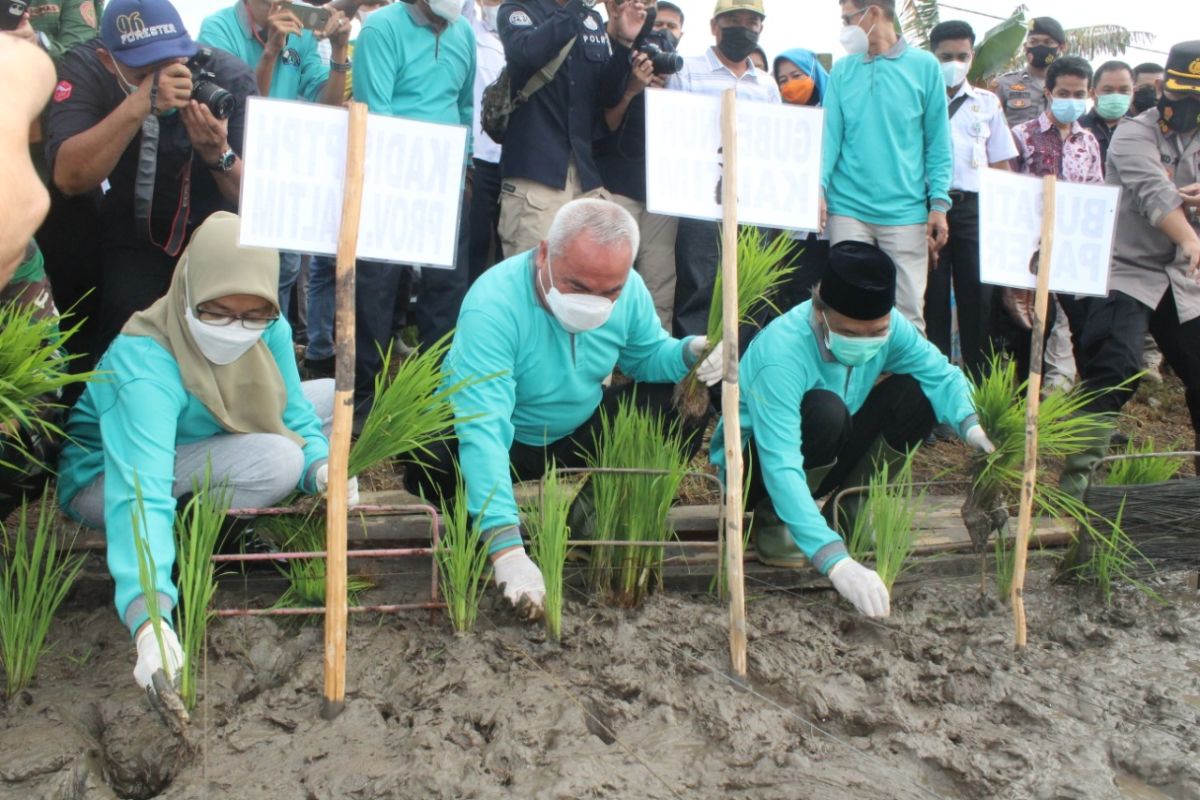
878,454
770,537
1077,471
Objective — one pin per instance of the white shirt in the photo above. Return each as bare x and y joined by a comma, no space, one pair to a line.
489,61
979,136
707,75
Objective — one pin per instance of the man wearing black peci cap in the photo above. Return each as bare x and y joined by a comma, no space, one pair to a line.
816,418
123,112
1152,286
1021,92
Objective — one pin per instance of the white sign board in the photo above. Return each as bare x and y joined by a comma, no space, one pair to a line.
294,170
1010,232
779,160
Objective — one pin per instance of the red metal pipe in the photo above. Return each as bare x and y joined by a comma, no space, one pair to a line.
317,610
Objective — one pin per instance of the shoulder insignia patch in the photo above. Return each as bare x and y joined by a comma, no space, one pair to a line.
1017,87
591,24
63,91
520,19
1018,102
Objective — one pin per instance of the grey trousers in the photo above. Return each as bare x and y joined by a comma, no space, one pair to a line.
258,469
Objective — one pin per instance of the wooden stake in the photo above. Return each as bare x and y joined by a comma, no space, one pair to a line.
1029,482
336,498
730,391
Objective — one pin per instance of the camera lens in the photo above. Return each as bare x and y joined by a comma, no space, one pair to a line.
219,101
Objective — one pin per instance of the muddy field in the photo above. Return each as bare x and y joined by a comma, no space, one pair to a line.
929,704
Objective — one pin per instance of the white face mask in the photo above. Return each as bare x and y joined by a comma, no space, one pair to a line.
855,40
448,10
955,72
577,313
220,344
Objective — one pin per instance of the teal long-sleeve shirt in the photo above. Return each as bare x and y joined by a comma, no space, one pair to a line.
129,422
547,382
887,151
402,68
786,361
301,77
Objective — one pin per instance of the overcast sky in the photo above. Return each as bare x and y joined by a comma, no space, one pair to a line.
815,24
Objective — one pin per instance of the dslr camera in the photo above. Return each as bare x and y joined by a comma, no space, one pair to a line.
11,12
204,85
657,46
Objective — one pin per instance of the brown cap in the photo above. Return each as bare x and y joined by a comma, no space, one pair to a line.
728,6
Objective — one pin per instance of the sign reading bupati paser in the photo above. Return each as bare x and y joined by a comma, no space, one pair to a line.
1010,230
293,172
779,160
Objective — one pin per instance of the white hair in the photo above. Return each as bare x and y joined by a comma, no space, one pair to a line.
607,222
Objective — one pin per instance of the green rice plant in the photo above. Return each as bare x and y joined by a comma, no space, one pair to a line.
306,576
1146,469
462,561
883,529
764,266
1004,553
413,409
549,532
633,507
147,571
33,372
34,580
197,530
1113,558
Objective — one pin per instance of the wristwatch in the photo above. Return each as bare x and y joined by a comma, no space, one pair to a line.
225,161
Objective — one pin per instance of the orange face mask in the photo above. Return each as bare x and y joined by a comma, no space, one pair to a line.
798,91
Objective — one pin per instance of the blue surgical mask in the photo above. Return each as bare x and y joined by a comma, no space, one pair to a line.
853,351
1066,110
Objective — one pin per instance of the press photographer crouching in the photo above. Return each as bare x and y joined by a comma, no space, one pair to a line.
161,120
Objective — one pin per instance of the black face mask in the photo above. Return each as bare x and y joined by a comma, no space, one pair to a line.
1144,99
736,44
1043,55
1181,116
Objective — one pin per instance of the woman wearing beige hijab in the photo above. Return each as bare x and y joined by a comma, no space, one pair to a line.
206,375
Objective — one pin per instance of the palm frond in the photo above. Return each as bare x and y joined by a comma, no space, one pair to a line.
1095,41
917,19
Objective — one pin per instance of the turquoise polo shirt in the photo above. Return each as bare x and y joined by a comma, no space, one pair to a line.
300,71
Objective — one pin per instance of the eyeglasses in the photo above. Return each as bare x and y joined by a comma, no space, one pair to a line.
250,322
850,19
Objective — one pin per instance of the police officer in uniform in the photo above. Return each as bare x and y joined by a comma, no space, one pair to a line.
1021,93
548,159
1152,285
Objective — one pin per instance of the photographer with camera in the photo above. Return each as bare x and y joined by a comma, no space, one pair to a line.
621,155
736,24
162,121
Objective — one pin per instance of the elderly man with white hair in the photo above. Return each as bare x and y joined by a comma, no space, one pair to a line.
551,325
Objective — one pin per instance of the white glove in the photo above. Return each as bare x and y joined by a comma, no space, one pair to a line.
521,581
150,658
711,369
862,587
352,498
979,440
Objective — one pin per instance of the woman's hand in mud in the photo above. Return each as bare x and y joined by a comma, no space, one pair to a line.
861,586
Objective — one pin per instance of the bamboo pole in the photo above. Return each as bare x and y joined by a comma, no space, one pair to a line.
730,390
336,499
1029,482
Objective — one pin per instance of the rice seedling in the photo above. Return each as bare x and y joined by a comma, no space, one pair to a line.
1113,558
548,529
33,373
462,560
1144,469
306,576
1003,557
147,573
413,409
197,530
34,581
883,529
763,268
633,507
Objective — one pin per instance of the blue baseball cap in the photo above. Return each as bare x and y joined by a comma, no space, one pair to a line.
142,32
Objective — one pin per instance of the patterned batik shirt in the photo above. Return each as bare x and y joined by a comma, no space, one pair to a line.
1043,151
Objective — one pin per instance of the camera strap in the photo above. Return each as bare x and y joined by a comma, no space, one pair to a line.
143,187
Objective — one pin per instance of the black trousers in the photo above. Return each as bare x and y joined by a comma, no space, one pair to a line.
896,409
377,296
485,247
438,480
697,259
1111,343
132,278
958,264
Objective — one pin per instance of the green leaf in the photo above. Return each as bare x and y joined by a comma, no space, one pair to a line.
995,52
